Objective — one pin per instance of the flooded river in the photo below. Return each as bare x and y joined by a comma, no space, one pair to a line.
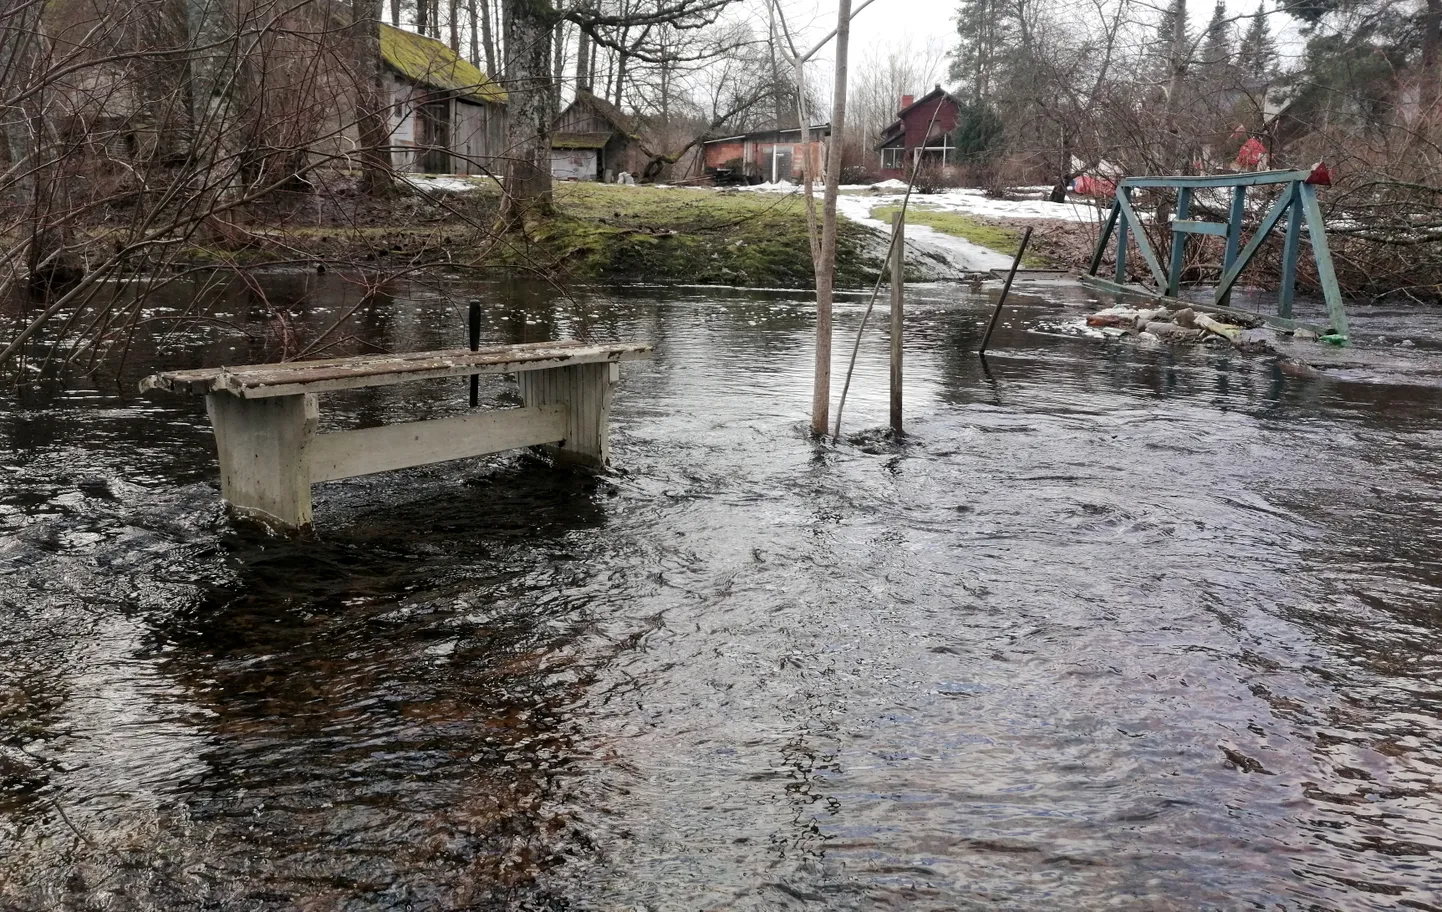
1113,628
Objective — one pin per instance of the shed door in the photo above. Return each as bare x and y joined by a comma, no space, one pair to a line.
435,137
783,163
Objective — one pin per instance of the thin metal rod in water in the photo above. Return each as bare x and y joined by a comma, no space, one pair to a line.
898,286
1005,290
475,327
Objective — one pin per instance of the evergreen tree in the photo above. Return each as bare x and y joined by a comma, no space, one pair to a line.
1173,41
1257,54
1217,45
983,32
979,132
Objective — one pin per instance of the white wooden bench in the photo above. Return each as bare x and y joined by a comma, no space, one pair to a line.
265,417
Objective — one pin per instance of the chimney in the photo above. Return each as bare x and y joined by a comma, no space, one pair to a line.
906,101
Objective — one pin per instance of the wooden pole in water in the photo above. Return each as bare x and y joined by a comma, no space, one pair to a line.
475,328
1005,290
898,261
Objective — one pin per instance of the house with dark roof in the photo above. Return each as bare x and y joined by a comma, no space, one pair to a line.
593,140
447,117
924,127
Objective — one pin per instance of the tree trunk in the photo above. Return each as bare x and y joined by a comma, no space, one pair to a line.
33,184
17,48
421,9
487,40
526,189
583,61
826,263
558,64
1058,189
396,13
777,100
475,34
1431,79
504,48
371,109
454,25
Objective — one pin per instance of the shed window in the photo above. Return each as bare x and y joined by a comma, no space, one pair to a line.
891,158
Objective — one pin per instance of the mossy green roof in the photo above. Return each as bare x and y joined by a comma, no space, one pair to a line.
432,63
579,140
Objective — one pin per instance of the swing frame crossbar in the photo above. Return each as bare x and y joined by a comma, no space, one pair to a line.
1296,206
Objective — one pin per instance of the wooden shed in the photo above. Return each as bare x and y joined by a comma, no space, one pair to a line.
766,155
447,116
593,140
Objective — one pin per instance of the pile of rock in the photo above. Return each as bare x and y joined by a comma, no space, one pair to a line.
1188,326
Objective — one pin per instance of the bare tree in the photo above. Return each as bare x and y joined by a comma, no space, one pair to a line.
370,105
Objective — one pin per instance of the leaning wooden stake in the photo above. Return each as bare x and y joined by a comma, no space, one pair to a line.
1005,290
898,259
475,328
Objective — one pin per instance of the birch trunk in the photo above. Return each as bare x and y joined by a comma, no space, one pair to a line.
826,263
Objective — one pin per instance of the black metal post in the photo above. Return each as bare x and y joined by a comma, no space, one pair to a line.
475,344
1005,290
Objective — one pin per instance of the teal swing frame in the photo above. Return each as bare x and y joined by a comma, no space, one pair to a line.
1297,204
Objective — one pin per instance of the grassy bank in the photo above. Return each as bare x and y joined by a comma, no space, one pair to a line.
1001,238
601,233
649,234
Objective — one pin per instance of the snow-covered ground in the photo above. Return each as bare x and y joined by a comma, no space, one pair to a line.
968,200
856,202
446,183
963,255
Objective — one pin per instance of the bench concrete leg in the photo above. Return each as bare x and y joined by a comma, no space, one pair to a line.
264,447
585,390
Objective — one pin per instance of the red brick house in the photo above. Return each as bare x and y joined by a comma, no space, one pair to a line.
766,155
908,134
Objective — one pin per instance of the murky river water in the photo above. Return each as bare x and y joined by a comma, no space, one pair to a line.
1113,628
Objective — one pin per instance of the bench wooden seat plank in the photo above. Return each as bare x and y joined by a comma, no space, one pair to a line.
263,381
266,417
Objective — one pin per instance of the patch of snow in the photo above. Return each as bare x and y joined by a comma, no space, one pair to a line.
781,186
961,254
966,200
975,202
443,183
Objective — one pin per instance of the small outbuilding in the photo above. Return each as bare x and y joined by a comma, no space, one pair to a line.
593,140
766,155
924,127
447,117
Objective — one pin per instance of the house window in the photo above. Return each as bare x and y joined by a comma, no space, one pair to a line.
939,152
891,158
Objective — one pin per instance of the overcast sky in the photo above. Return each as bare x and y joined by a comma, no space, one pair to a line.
890,22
